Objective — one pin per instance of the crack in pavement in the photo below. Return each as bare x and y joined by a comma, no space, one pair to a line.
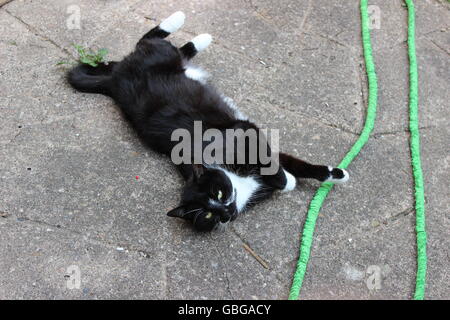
311,33
262,17
385,222
130,248
225,270
418,37
31,29
439,47
345,234
12,139
317,120
397,132
3,2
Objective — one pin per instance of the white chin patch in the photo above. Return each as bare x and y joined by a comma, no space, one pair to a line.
290,182
173,23
202,41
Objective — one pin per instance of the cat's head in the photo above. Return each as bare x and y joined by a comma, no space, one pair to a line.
208,199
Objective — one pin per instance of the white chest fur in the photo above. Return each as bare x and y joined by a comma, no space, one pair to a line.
244,187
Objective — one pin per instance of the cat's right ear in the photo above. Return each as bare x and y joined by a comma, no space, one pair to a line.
178,212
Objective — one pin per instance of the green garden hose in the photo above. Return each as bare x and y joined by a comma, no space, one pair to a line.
325,188
421,235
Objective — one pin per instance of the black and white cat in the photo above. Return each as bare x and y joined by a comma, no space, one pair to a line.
159,91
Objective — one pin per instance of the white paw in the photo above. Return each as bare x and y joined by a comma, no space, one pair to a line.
173,23
341,180
202,41
290,183
346,176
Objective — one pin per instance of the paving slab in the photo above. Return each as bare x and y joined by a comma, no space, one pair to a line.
436,165
343,270
67,22
242,29
343,21
393,70
37,260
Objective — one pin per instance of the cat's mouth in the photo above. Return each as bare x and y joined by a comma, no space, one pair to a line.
229,216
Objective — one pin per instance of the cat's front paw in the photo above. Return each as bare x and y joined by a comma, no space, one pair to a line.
173,23
337,175
202,41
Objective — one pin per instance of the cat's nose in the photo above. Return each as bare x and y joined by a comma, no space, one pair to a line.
229,214
225,216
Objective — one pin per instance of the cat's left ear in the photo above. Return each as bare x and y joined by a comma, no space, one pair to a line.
178,212
198,170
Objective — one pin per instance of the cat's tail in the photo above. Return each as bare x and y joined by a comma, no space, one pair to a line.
303,169
86,78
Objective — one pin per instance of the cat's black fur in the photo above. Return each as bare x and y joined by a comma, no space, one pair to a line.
155,95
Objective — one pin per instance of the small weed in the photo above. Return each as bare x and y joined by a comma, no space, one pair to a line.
87,56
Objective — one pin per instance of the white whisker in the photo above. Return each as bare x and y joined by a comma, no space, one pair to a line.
196,216
221,226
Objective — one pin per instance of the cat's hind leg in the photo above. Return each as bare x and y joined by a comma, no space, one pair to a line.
199,43
189,50
167,26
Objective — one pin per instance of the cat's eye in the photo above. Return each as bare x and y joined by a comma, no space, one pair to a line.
219,195
209,215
